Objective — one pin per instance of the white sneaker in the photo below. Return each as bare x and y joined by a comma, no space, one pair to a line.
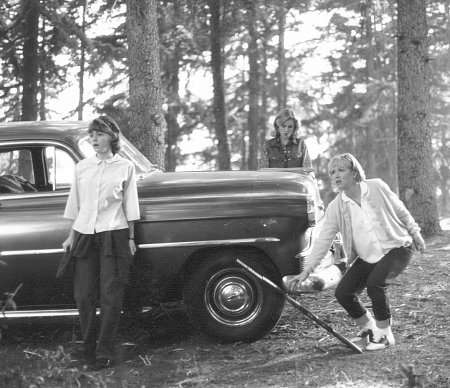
388,334
363,338
378,342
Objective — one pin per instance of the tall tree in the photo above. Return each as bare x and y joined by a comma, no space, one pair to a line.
281,54
82,62
147,119
415,167
30,64
254,87
171,64
215,7
366,16
42,79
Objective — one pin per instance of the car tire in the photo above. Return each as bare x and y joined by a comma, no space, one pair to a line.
227,303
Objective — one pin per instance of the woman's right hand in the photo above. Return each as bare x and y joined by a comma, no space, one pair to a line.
291,283
67,244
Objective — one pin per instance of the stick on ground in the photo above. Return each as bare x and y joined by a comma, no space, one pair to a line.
302,309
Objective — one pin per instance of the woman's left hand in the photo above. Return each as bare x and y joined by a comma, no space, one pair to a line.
132,246
419,242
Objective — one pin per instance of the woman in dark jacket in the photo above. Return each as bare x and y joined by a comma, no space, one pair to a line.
286,149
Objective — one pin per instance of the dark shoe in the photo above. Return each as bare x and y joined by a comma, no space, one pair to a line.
363,338
101,363
378,342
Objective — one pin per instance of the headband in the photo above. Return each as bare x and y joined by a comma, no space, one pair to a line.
104,127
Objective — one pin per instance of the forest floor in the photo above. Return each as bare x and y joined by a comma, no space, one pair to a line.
297,353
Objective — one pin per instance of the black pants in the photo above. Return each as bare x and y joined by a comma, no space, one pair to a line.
373,277
100,275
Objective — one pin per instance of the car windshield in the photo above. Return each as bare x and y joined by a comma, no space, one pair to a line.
128,151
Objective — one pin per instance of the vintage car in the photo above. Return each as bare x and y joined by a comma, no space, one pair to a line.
193,227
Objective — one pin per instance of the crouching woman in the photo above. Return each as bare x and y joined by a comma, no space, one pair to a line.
379,235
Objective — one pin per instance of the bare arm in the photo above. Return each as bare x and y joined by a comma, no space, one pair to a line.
131,241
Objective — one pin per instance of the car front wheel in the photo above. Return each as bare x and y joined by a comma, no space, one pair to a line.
228,303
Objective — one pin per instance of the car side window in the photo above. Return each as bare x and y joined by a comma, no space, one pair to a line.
60,167
16,171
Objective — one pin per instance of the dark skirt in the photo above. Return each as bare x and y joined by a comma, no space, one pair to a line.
112,243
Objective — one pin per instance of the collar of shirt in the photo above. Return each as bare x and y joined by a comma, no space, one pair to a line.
96,160
292,141
364,191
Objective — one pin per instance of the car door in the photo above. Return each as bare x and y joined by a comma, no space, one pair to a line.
34,185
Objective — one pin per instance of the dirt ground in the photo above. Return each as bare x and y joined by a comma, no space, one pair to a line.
161,351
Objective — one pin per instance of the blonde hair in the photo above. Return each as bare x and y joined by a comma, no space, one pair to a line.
349,161
284,115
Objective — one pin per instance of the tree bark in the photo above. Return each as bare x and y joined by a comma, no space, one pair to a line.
415,167
263,84
30,66
218,85
172,61
43,71
82,64
371,169
147,120
254,89
282,86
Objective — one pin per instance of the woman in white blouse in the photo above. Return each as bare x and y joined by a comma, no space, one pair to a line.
378,235
103,204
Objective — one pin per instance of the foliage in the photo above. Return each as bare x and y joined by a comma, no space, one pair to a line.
341,73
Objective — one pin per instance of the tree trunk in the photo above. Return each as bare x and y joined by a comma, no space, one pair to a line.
282,87
415,167
42,71
218,85
172,61
254,89
82,65
30,67
263,84
370,75
147,120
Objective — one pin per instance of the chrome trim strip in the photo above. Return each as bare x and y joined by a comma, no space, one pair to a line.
210,242
34,195
41,313
12,314
156,245
307,251
31,252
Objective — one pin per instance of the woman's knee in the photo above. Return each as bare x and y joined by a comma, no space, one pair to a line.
340,295
375,289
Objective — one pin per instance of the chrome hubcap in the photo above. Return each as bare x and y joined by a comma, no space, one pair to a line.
233,299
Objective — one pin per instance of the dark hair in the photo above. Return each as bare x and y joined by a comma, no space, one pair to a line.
107,125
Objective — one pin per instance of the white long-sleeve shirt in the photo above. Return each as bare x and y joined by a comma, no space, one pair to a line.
103,195
369,236
390,213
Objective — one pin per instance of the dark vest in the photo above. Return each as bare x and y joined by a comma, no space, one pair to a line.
282,158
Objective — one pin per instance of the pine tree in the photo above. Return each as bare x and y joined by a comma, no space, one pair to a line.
415,167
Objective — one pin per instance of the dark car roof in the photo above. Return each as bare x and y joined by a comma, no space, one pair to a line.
65,131
70,132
